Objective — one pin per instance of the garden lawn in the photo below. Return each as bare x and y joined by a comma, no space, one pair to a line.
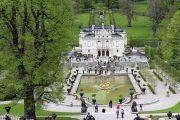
174,109
140,26
18,110
61,118
141,7
119,86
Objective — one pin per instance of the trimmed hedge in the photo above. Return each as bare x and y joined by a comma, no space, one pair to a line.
157,76
142,76
172,90
68,75
152,90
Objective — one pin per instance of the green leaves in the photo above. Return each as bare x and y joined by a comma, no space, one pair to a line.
43,33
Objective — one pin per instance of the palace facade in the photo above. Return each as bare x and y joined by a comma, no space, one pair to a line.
99,41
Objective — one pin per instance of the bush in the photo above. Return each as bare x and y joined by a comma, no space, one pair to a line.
157,76
142,76
68,75
152,90
172,90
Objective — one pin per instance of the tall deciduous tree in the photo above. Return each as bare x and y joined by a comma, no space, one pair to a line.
128,9
156,14
171,44
33,39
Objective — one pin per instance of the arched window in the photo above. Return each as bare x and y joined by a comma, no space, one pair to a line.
107,53
99,53
103,53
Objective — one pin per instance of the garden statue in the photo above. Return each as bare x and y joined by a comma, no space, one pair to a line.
89,117
22,118
169,114
54,116
138,117
177,117
83,106
134,107
8,108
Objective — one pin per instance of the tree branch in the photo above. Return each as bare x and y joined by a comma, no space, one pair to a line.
40,96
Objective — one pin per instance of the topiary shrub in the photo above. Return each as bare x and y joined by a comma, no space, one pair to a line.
152,90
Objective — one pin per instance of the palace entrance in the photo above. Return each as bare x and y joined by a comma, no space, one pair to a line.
103,53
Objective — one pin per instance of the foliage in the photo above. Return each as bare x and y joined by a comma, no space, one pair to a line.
174,73
150,87
172,90
157,76
68,75
33,41
156,14
142,76
150,78
171,42
128,9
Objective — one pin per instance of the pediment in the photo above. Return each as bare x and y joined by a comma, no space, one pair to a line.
103,32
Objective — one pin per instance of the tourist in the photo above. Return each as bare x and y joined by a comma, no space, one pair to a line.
140,106
177,117
110,103
118,107
122,113
77,71
96,108
71,104
127,70
7,117
117,113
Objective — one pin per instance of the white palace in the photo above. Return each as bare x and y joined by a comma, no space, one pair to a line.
100,41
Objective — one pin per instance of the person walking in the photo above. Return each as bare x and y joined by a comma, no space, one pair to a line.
117,113
96,108
122,113
118,107
110,103
140,106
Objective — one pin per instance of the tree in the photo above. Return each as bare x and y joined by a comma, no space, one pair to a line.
87,3
170,45
107,2
156,14
76,6
33,39
112,3
128,9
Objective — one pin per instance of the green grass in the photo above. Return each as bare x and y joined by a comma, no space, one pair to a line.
18,110
82,19
140,26
141,7
119,85
61,118
174,109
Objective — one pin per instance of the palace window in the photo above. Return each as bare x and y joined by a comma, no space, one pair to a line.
117,43
89,44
